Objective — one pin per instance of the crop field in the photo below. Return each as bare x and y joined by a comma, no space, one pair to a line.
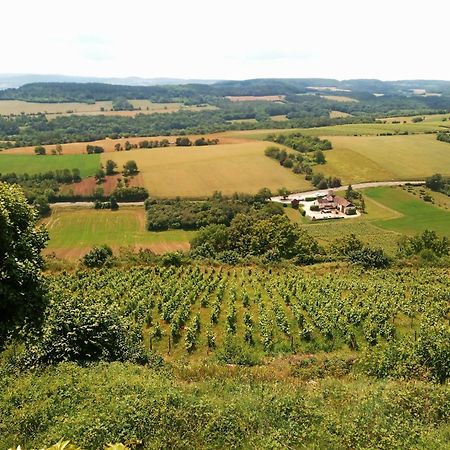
192,311
256,98
339,98
383,158
417,215
108,144
52,110
18,106
195,172
31,164
437,119
73,231
338,114
365,129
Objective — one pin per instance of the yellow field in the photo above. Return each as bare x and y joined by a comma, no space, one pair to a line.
338,114
430,118
382,158
53,110
108,144
340,98
18,106
199,171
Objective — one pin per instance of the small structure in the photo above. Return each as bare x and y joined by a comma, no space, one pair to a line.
333,202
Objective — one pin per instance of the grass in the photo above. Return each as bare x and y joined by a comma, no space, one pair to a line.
417,215
73,231
382,158
31,164
199,171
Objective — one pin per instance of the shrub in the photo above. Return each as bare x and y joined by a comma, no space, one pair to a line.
99,256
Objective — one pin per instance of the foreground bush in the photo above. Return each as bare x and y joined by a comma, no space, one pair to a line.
118,402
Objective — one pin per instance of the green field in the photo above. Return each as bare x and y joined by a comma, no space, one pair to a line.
195,172
383,158
73,231
31,164
417,215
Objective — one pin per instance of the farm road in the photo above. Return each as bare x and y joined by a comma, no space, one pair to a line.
343,188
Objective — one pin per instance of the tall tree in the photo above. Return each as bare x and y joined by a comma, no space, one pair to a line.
21,286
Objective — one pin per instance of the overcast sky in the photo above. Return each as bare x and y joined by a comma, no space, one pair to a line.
227,39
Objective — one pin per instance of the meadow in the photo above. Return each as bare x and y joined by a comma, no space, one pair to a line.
417,215
32,164
73,231
196,172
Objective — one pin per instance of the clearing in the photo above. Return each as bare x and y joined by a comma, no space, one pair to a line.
73,231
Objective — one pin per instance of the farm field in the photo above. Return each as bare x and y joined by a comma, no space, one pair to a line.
385,158
418,215
108,144
195,172
73,231
290,311
365,129
32,164
53,110
340,98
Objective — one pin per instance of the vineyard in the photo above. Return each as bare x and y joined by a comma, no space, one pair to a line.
199,311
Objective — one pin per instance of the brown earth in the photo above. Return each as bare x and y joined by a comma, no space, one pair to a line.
88,185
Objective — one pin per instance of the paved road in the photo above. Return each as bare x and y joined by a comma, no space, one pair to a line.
343,188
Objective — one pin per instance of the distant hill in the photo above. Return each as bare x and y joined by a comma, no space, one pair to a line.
17,80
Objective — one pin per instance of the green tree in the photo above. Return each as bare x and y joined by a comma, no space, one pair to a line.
100,175
110,167
39,150
319,157
21,286
99,256
130,168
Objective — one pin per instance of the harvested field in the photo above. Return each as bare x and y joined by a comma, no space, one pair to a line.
339,98
338,114
53,110
254,98
385,158
108,144
195,172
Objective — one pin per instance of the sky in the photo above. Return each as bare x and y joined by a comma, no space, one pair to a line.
232,39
